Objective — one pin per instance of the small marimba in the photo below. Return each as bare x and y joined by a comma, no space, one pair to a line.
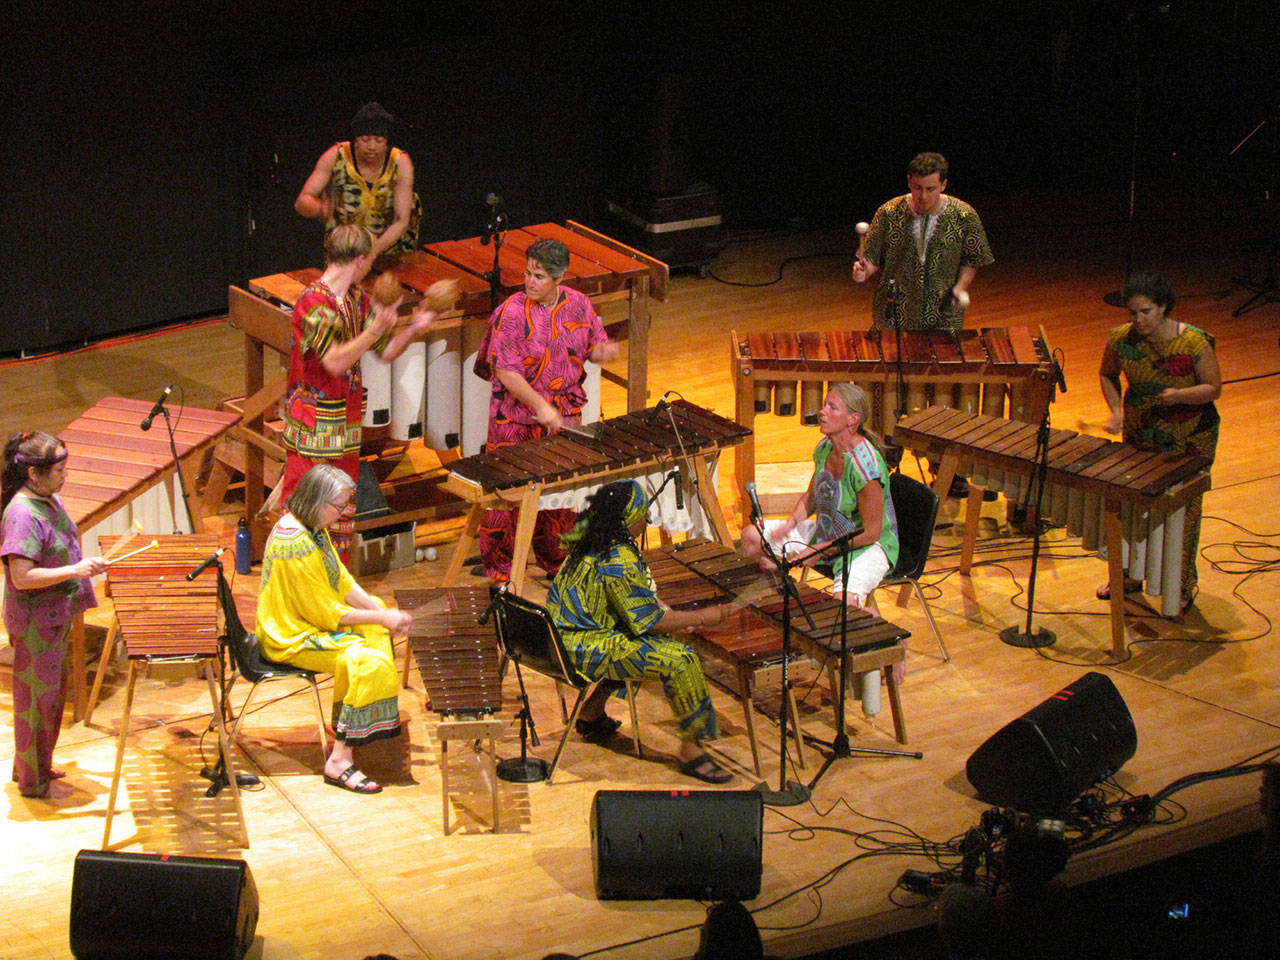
461,671
164,617
1126,502
702,573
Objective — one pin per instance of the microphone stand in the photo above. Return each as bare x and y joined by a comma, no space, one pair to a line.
177,472
839,746
789,792
1028,638
493,234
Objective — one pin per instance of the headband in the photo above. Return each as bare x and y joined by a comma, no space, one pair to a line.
40,461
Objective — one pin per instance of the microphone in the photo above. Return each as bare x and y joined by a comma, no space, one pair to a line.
493,605
652,416
493,201
756,512
156,408
891,303
206,563
675,475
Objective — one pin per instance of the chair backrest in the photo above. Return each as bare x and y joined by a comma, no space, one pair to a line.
528,634
916,506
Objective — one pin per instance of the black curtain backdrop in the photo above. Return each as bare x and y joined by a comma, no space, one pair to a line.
152,149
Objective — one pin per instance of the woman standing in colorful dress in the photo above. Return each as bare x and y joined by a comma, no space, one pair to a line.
46,587
1173,380
334,323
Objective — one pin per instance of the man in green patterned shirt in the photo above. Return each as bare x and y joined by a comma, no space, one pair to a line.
927,246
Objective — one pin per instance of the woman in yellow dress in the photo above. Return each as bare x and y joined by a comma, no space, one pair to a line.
312,614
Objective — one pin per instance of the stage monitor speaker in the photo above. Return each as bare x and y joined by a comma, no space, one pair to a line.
1045,759
148,906
677,844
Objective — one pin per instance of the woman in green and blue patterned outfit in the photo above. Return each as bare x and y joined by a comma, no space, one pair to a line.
606,608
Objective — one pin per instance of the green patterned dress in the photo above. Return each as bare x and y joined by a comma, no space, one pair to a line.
604,607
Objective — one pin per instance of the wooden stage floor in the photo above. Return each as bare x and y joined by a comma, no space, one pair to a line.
343,876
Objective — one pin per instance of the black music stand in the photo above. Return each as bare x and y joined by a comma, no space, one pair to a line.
1028,638
217,774
839,745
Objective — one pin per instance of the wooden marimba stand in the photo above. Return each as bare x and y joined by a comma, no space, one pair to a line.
167,620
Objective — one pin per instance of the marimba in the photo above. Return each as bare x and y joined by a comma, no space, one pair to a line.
599,266
536,473
1126,502
118,475
166,618
702,573
458,659
995,370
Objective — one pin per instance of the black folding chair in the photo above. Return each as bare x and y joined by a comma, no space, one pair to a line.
529,636
916,506
250,663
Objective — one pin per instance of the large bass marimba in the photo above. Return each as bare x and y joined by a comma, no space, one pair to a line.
456,401
1000,371
1125,502
702,573
558,471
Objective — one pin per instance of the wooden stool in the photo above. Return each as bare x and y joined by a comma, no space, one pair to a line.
882,658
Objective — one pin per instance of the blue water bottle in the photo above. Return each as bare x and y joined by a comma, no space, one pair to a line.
244,547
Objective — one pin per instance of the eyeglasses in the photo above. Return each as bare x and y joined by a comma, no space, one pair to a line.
344,506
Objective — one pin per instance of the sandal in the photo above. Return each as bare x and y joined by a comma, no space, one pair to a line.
343,782
703,768
598,730
1130,586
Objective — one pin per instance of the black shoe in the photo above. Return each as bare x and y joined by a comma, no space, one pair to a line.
598,730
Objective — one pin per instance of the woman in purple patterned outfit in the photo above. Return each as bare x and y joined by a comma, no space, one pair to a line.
46,586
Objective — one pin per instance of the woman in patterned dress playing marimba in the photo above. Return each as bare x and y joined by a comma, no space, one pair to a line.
1173,380
312,614
46,585
849,493
605,606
